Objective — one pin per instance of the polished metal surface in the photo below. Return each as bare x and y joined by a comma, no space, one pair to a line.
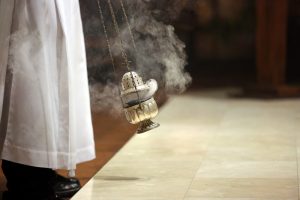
138,102
140,112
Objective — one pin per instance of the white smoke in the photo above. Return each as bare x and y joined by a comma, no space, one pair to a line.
159,55
107,98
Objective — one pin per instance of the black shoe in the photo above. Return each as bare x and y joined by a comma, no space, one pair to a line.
58,188
64,187
26,182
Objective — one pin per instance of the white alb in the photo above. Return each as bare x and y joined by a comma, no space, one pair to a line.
44,97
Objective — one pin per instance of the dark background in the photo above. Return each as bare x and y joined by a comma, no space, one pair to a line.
221,40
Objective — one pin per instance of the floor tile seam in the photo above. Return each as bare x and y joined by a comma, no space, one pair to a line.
209,146
202,160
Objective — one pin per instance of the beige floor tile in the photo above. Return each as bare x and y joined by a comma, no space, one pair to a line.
103,187
253,145
244,188
251,153
208,147
189,110
255,142
197,198
181,136
152,170
247,169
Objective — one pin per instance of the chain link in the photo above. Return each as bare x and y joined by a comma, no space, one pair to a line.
106,36
128,25
116,27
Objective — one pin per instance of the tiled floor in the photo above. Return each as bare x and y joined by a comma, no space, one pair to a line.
209,147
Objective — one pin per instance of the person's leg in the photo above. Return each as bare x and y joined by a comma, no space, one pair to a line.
25,181
36,183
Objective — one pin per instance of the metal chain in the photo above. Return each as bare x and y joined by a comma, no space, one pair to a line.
116,26
134,46
128,25
108,45
106,36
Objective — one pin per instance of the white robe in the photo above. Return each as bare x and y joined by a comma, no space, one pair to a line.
44,97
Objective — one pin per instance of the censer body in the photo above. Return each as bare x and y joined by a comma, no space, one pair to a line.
137,97
138,102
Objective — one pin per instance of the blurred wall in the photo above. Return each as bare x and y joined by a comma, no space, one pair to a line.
220,38
293,48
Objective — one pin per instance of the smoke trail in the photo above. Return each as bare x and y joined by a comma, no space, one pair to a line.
104,97
160,54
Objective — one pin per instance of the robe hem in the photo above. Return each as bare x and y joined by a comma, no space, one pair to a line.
46,159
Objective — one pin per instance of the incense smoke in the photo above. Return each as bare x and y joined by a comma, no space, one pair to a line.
159,53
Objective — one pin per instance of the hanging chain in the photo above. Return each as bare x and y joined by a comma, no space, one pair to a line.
116,27
133,42
106,37
128,25
108,45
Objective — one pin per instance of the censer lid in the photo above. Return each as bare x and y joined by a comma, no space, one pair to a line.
134,90
131,80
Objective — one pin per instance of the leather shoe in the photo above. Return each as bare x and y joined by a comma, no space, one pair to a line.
59,188
64,187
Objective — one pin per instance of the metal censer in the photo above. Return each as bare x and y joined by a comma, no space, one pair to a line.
138,102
